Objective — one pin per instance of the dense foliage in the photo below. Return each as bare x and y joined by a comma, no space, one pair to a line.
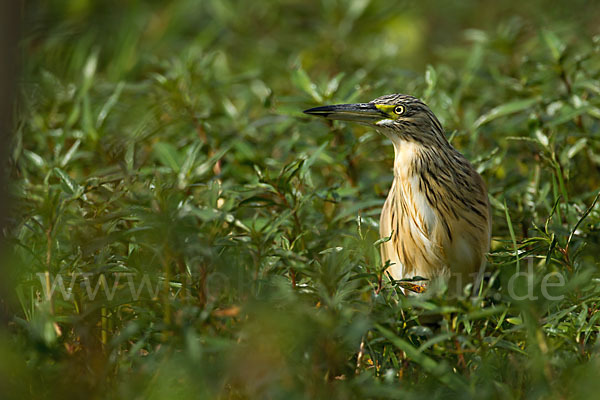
214,242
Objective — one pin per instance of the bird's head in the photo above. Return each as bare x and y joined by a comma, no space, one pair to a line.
400,117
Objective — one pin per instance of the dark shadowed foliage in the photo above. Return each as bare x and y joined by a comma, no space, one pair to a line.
181,230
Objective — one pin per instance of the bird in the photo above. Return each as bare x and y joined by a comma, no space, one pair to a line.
436,219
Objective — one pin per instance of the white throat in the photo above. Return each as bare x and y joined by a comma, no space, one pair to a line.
404,155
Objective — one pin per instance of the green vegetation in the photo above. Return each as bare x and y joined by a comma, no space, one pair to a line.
163,144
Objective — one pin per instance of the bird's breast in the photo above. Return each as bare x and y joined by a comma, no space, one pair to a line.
413,225
432,234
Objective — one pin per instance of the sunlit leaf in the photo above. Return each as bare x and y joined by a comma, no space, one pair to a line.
505,109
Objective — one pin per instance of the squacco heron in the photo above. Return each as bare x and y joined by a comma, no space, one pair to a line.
437,214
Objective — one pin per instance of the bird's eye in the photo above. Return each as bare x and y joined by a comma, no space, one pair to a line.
399,110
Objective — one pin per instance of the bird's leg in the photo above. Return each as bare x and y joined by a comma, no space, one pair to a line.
413,287
410,285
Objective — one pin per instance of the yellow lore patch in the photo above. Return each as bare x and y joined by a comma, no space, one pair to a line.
392,110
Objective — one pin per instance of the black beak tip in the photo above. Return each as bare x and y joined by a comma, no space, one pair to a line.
314,111
321,111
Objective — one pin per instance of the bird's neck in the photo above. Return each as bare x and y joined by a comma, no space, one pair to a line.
412,159
406,159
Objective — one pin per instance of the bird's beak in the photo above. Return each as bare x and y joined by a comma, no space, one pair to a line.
365,113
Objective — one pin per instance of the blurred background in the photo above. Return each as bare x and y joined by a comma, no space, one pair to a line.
179,229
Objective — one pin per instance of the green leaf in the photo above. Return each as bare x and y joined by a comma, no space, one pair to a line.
302,81
556,46
383,240
206,166
505,109
34,158
190,160
70,153
168,155
333,84
486,312
431,81
583,216
313,157
68,185
568,114
110,103
543,139
576,147
439,370
89,70
512,233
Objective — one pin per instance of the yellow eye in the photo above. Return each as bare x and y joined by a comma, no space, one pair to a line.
399,110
